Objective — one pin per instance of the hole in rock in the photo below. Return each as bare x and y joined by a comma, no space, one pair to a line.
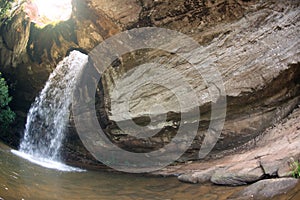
45,12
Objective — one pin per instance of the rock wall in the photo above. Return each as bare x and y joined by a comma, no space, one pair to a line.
254,44
257,55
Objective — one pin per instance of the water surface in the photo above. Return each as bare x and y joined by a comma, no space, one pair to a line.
21,179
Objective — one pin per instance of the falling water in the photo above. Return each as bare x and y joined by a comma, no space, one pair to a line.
49,114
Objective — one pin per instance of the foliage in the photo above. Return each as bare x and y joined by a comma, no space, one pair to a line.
295,168
5,9
6,115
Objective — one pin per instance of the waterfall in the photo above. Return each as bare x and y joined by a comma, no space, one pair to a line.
49,114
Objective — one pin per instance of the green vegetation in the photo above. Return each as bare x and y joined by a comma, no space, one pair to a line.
6,115
5,9
295,168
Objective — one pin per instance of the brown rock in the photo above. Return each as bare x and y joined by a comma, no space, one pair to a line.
198,176
15,36
122,11
254,45
239,174
269,158
266,189
258,95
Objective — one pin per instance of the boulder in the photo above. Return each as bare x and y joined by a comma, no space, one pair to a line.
266,189
239,174
197,176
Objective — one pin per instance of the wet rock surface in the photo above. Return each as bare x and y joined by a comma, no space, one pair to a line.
266,189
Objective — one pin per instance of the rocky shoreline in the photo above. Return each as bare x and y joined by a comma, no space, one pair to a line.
266,157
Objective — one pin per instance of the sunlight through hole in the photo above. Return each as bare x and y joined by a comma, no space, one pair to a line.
44,12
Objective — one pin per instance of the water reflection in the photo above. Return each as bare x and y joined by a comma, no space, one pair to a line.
20,179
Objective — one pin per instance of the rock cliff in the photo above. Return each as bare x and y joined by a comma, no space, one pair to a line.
253,44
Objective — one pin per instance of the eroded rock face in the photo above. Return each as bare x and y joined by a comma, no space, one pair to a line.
258,57
254,45
37,52
14,52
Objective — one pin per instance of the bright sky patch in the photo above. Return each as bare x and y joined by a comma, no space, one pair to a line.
44,12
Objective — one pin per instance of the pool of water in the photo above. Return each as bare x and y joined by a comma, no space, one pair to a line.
21,179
